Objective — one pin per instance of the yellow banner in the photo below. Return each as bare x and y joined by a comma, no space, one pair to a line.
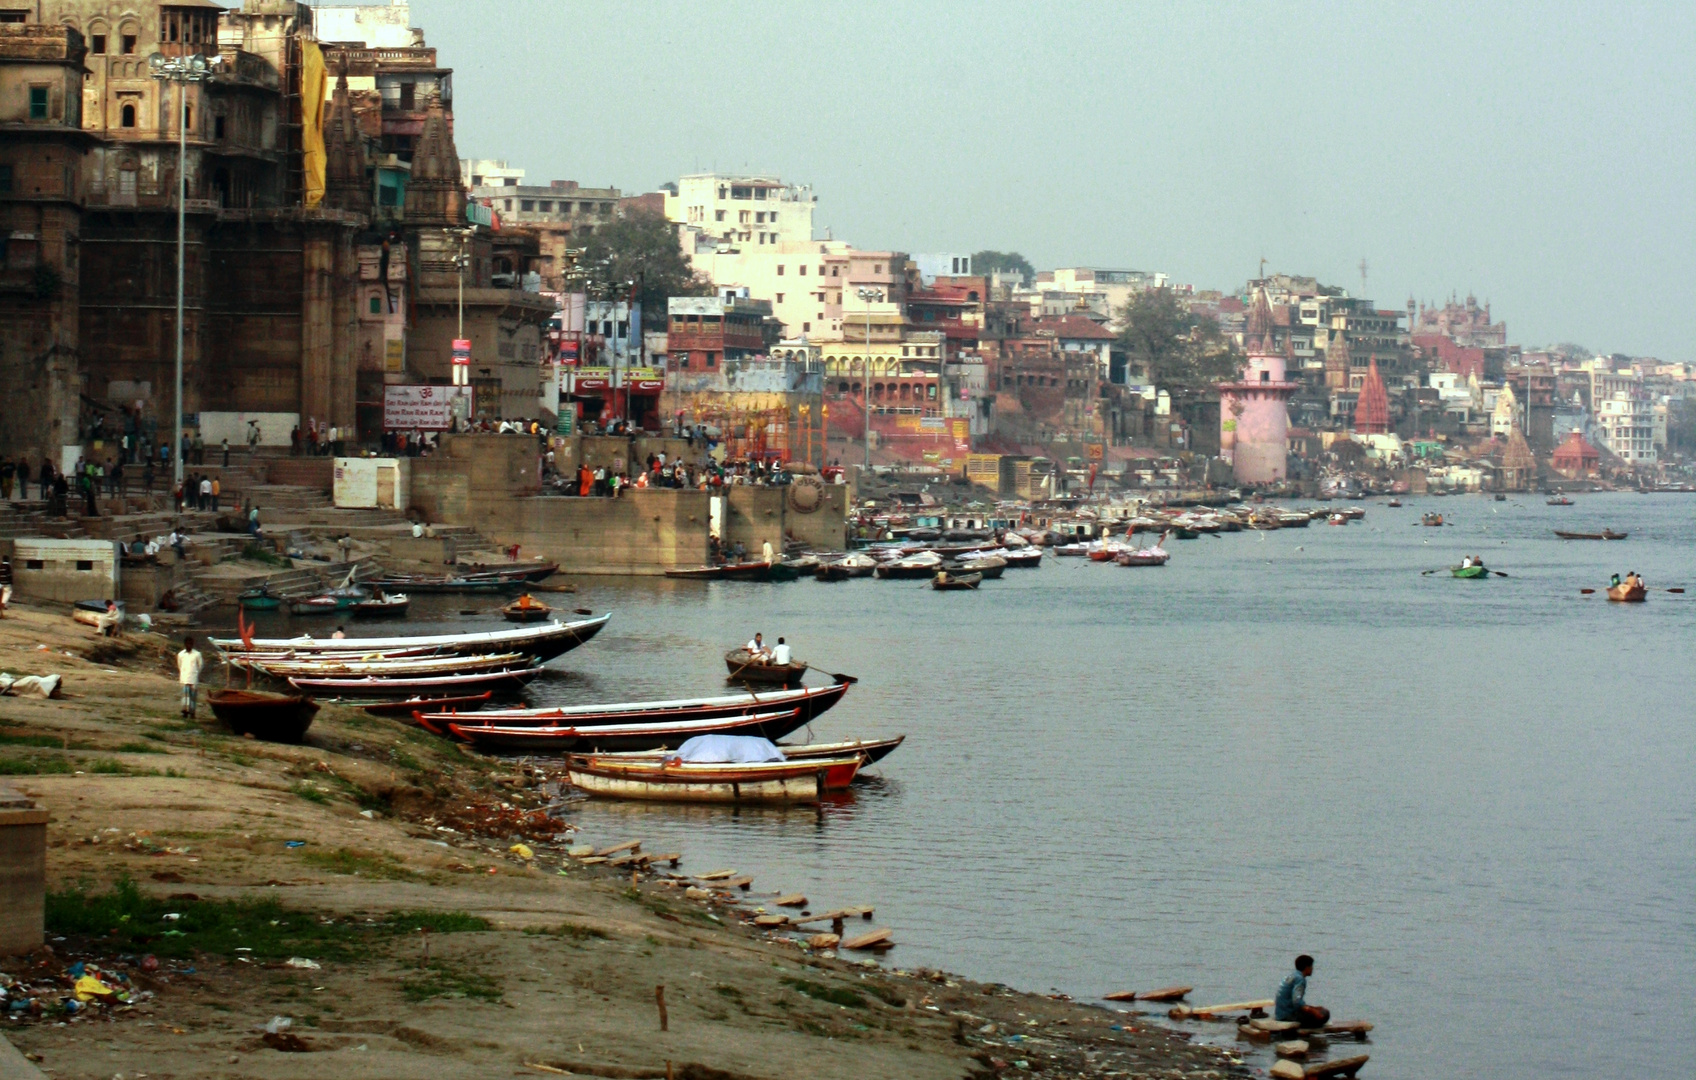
312,122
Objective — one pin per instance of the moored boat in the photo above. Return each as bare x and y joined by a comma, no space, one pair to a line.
922,565
271,717
675,781
461,703
543,642
849,566
1154,556
259,599
569,738
747,667
377,686
319,605
405,667
989,566
382,606
811,701
1025,558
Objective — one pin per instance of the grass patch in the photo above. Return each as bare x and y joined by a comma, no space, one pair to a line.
834,995
363,863
11,766
309,792
254,553
50,742
570,931
405,760
439,978
141,748
106,767
126,918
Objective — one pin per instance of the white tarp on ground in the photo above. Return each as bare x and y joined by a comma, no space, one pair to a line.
48,685
722,749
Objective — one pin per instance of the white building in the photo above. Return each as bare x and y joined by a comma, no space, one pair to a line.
489,172
1625,424
941,264
379,26
751,211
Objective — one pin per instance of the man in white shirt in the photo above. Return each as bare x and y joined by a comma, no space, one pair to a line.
780,653
189,664
765,552
756,647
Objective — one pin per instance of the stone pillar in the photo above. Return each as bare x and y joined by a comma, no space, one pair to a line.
317,326
23,873
344,360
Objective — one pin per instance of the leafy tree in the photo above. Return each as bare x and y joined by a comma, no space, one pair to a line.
988,262
640,247
1183,351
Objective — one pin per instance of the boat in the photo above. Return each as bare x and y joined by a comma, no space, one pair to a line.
1605,534
812,701
1500,497
536,571
320,605
569,738
873,750
923,565
382,606
462,703
1394,502
543,642
745,666
1337,519
698,573
90,612
849,566
1026,558
1630,594
526,609
944,581
260,599
443,583
376,686
1154,556
1431,519
381,669
271,717
989,566
742,782
758,571
1475,571
1560,500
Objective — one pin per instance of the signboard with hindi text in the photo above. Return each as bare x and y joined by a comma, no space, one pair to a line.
425,408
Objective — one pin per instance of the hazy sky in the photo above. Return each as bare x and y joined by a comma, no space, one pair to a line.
1541,156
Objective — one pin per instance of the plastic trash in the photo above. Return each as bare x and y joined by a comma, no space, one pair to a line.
522,851
279,1024
294,843
303,962
89,987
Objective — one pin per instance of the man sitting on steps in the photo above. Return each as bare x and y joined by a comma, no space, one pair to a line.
1291,1001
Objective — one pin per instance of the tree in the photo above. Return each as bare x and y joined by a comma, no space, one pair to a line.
1183,351
640,247
988,262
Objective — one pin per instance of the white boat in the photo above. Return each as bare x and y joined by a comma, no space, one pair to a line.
423,665
923,565
371,686
543,640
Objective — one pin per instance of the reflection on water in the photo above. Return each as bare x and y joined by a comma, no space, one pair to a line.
1473,801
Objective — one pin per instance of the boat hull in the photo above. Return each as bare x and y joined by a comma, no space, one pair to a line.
747,669
463,702
620,737
1628,594
542,642
1469,572
773,782
272,717
812,702
373,687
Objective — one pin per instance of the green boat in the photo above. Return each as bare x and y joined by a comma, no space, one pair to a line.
259,600
1469,571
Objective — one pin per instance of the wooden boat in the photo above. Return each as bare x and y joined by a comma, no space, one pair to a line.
526,609
1025,558
568,738
527,571
374,686
945,582
677,781
1337,519
462,703
872,750
1154,556
90,612
260,599
1469,571
1394,502
1103,553
1630,594
698,573
748,668
543,642
758,571
812,701
320,605
849,566
989,567
922,565
1560,500
382,669
382,606
1605,534
1431,519
271,717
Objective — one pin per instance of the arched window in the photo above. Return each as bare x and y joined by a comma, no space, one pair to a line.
127,117
843,388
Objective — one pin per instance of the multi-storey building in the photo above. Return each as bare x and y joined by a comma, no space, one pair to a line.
562,215
753,211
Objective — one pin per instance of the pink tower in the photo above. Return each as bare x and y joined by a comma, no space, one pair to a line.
1254,421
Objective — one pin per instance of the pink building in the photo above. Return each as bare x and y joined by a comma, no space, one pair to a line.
1254,420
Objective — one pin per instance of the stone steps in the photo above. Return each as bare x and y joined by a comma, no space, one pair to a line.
288,497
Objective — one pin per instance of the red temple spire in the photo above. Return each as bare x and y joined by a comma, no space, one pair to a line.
1372,409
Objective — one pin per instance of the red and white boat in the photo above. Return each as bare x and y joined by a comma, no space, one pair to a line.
1154,556
812,701
369,686
679,781
564,739
541,640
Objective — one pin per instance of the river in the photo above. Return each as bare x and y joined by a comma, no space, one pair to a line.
1473,801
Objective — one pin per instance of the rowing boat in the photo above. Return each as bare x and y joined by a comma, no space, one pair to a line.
526,609
812,701
871,749
677,781
271,717
422,665
1605,534
382,606
1476,571
944,581
543,642
373,686
1630,594
464,702
562,738
1154,556
745,667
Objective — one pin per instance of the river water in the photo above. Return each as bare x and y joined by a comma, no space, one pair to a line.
1473,801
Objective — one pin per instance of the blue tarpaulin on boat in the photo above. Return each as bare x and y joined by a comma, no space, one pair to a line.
721,749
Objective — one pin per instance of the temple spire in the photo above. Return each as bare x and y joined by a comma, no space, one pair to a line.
1372,409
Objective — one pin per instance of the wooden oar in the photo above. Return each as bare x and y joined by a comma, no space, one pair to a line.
1675,590
1498,573
1587,592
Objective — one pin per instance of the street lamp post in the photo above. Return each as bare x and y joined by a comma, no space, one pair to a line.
181,70
866,297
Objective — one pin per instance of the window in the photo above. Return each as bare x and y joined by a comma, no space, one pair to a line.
760,218
217,127
376,304
718,215
780,298
546,206
509,205
85,564
38,103
802,271
97,44
188,117
527,204
129,44
806,326
13,16
833,270
5,179
407,92
33,564
779,269
712,359
127,117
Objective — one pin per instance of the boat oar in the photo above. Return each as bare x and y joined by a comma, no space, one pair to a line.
1498,573
1587,592
1675,590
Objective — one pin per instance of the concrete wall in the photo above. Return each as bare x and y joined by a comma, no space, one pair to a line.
48,569
23,873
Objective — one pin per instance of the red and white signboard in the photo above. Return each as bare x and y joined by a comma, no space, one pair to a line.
425,408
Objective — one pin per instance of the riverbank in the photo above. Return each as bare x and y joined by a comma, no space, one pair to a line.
369,821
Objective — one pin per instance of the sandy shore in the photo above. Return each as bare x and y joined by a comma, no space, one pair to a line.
563,980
